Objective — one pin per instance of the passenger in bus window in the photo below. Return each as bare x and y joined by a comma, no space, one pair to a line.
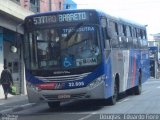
54,46
53,35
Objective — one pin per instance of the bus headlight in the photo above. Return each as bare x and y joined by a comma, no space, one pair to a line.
97,82
32,86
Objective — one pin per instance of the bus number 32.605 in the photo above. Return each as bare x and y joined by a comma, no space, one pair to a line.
75,84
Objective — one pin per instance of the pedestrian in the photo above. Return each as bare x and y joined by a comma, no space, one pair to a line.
6,81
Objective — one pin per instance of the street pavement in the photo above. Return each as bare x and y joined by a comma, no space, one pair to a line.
130,107
18,102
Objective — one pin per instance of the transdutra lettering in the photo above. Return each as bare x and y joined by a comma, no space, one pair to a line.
81,29
72,17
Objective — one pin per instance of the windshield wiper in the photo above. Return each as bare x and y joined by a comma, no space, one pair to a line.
73,31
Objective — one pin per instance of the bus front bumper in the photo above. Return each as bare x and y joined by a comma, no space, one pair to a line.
89,92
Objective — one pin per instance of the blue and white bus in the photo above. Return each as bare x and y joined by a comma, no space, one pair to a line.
83,55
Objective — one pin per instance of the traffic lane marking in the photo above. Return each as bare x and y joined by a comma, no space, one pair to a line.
88,116
123,100
17,108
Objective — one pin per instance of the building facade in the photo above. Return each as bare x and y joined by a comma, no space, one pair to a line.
51,5
40,6
69,4
11,19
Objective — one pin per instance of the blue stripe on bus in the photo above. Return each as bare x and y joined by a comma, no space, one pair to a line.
32,79
108,80
140,63
88,79
132,77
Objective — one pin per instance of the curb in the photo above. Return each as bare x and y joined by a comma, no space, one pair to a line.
18,108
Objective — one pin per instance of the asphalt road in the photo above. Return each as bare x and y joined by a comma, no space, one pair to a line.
144,106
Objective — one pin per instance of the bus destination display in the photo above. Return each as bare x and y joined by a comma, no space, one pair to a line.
69,17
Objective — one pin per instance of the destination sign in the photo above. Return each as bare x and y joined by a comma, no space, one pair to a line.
68,17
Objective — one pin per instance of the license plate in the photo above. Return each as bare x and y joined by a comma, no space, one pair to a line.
63,96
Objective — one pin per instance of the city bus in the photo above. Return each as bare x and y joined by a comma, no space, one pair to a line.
83,54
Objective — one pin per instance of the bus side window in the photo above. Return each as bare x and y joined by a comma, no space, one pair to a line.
144,40
128,37
114,34
139,38
135,40
105,33
128,32
133,36
122,39
120,31
124,30
33,50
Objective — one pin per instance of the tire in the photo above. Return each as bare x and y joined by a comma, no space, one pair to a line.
54,105
138,88
130,91
112,100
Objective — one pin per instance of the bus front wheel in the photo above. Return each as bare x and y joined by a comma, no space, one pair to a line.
53,104
112,100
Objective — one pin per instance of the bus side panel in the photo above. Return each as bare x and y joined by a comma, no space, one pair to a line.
138,66
115,66
127,65
133,69
118,66
138,61
145,65
108,80
126,58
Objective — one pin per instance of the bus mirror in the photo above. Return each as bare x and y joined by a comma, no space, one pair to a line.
13,49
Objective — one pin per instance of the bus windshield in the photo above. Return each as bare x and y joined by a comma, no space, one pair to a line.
63,48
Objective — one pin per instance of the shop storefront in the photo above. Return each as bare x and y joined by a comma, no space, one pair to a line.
11,19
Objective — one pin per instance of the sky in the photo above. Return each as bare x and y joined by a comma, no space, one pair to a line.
145,12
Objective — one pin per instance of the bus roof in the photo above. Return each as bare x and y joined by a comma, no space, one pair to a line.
121,20
99,13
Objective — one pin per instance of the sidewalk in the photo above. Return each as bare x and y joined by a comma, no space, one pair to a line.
13,99
14,103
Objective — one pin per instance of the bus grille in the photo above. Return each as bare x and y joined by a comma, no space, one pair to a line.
73,96
62,78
